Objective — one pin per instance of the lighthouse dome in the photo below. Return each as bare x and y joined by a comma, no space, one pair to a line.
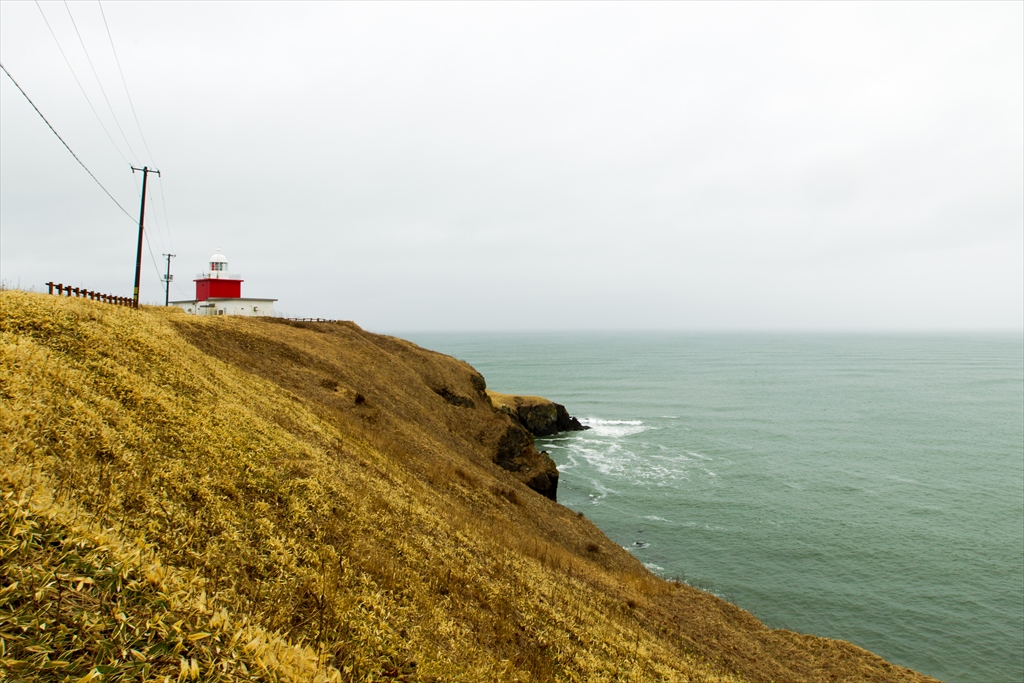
218,262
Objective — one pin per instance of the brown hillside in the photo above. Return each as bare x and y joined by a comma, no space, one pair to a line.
252,499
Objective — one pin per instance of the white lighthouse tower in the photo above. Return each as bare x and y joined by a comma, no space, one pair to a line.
219,292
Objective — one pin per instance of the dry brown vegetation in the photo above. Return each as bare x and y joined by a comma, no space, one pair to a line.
249,499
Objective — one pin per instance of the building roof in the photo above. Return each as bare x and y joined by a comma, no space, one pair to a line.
220,298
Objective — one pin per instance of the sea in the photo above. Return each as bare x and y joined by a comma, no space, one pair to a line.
867,487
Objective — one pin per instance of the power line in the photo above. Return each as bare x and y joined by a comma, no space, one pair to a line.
163,205
166,227
80,87
155,217
124,82
64,143
155,266
159,230
98,81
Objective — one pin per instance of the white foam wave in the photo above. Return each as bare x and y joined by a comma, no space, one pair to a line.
639,462
655,518
615,429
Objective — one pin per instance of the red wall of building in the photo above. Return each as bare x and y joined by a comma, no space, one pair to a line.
225,289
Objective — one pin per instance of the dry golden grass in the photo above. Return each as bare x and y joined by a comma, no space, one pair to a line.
251,499
513,401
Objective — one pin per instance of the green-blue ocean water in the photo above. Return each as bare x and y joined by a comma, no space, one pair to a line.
863,487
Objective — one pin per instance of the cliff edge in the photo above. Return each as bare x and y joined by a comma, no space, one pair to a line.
252,499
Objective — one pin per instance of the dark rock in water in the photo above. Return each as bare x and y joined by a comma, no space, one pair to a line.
530,416
540,419
566,422
539,416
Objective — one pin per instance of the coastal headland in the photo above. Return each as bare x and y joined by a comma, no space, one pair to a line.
232,499
540,416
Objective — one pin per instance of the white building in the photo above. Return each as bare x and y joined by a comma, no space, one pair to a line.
219,292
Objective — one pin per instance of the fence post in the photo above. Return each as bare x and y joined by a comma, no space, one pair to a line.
50,285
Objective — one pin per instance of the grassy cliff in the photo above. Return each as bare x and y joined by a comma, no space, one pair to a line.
233,499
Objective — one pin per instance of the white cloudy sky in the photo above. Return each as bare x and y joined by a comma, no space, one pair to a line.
739,166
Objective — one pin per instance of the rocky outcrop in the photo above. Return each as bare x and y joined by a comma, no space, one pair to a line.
455,399
516,453
537,415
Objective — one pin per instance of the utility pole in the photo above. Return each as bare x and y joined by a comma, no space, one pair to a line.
167,280
146,170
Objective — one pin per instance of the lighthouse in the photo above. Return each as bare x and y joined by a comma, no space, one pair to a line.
219,292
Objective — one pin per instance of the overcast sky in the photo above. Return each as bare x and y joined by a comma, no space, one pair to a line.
475,166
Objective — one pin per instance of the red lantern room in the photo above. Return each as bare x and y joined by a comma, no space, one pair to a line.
217,282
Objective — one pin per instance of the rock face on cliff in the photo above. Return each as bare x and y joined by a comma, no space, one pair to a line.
513,450
537,415
516,453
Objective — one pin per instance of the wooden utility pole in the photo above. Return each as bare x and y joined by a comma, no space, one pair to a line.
146,170
167,280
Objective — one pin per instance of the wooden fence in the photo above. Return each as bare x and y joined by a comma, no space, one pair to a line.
81,292
312,320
